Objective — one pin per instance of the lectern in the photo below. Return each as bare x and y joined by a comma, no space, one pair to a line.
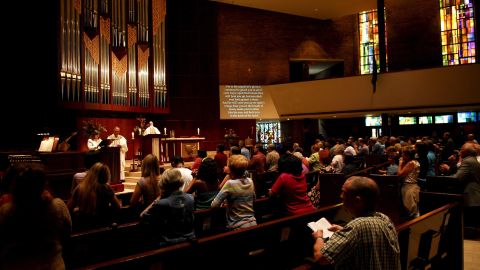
111,157
155,144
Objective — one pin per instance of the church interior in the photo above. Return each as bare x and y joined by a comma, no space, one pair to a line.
190,79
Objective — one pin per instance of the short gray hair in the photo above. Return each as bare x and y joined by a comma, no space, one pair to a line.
171,180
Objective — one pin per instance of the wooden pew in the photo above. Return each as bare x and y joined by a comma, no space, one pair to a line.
330,188
103,243
433,240
430,201
279,243
372,160
263,182
97,244
390,200
443,184
212,221
312,179
367,171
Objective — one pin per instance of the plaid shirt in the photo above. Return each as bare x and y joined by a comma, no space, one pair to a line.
365,243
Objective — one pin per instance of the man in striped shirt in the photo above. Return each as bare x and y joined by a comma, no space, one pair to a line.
369,241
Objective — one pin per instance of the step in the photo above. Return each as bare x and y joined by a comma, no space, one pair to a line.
136,174
129,186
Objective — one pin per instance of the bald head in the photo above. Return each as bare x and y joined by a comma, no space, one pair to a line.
468,150
360,189
116,131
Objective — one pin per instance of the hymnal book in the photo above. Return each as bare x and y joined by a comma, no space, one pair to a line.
46,145
104,143
321,224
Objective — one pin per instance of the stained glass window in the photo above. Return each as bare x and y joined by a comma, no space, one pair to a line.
457,23
269,132
369,50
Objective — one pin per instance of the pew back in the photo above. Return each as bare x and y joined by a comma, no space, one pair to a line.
263,182
433,240
100,244
330,188
372,160
280,243
390,201
443,184
312,179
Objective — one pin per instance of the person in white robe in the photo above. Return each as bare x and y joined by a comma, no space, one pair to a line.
119,141
151,129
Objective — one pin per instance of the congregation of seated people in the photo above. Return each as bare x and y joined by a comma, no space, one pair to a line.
168,201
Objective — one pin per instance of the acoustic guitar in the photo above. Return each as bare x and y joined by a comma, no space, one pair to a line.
64,146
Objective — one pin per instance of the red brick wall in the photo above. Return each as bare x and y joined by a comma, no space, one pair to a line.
413,30
254,46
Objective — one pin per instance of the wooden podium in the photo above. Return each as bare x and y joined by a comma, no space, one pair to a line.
154,144
111,157
165,148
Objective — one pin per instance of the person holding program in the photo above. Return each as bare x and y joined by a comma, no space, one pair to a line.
369,241
94,142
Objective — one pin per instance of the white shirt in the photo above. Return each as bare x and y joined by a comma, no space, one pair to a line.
93,143
350,150
186,177
337,163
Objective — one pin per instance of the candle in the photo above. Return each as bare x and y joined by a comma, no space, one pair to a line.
133,135
198,131
165,131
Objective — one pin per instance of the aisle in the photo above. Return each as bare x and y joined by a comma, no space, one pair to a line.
471,254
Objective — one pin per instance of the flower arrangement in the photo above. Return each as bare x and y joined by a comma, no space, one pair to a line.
91,127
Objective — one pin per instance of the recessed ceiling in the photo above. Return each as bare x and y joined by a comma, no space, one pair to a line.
317,9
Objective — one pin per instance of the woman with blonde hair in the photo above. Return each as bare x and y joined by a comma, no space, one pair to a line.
146,190
93,201
239,192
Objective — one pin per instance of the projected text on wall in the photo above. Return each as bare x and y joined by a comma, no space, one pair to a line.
242,101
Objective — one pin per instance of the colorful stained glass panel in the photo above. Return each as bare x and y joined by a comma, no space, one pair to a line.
369,49
457,27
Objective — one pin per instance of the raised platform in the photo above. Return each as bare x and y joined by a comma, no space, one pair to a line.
131,177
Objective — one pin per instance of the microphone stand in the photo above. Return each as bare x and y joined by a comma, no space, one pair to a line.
134,165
